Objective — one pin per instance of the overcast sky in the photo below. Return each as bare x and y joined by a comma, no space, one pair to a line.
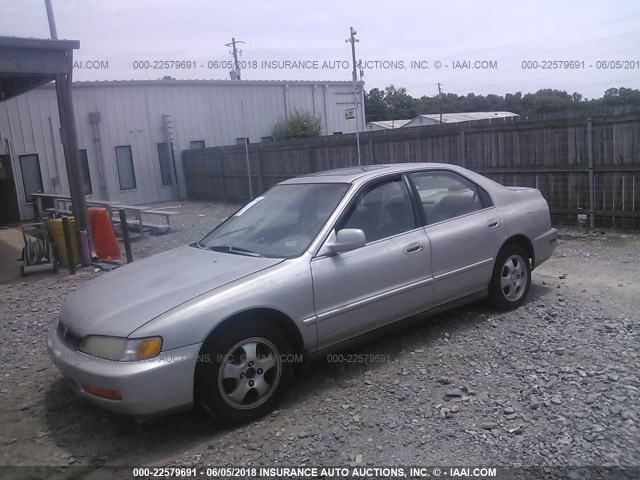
392,34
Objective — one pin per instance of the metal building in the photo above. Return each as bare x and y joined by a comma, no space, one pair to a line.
131,133
386,125
435,118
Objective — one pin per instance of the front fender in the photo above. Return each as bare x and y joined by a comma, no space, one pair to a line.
286,287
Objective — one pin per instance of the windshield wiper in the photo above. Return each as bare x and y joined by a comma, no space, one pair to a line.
236,231
234,250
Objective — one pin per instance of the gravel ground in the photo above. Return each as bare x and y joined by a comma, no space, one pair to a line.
553,383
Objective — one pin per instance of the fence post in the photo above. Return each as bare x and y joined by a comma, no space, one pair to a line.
246,153
462,149
124,226
222,176
71,258
370,161
258,152
592,190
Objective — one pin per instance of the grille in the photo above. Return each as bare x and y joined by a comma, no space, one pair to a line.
69,338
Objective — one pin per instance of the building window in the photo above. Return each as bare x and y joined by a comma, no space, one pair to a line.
85,174
242,140
126,173
267,139
31,176
164,157
197,144
337,133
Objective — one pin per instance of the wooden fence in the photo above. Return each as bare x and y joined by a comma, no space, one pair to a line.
551,155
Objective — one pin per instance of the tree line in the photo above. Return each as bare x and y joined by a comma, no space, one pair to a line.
394,103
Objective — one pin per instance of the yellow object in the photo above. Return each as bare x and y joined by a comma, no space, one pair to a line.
55,227
148,348
102,392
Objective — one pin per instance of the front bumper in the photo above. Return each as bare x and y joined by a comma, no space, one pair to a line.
543,246
148,387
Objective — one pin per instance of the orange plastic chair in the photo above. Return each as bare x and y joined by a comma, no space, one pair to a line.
104,238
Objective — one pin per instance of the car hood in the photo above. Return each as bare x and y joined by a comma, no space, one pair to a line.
119,302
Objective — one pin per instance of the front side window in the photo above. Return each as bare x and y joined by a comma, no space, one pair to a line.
381,211
446,195
281,223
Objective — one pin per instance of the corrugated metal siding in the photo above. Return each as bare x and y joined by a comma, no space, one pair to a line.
132,114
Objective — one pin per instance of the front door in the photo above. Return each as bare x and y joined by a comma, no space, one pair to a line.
386,280
9,210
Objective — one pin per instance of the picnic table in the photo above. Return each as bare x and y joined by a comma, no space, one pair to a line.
142,223
56,197
136,212
62,204
110,205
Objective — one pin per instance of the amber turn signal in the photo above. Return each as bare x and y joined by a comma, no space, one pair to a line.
102,392
148,347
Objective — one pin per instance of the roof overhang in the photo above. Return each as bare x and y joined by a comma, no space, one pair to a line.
26,63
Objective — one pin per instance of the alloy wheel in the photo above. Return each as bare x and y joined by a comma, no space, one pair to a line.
250,373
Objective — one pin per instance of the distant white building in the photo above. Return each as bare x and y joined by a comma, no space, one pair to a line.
126,130
434,118
386,124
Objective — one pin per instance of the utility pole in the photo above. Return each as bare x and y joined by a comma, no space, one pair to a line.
246,149
352,39
52,20
68,132
440,95
235,73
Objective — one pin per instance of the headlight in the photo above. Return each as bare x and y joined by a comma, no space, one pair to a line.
121,349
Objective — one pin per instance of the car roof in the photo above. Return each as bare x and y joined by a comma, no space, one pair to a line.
366,172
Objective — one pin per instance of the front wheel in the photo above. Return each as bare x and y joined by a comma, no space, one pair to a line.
511,278
243,372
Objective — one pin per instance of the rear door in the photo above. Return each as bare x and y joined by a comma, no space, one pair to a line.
384,281
464,229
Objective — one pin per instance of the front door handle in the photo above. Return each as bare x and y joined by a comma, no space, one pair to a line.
493,223
413,247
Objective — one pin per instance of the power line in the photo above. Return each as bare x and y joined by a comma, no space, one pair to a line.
520,55
540,76
548,37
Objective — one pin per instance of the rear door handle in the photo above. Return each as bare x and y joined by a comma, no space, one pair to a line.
413,247
493,223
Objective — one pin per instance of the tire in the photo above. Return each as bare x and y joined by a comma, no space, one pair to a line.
241,374
511,279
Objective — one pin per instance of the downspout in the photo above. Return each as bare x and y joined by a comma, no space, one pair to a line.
94,119
56,180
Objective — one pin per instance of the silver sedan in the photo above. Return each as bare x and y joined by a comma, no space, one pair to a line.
312,265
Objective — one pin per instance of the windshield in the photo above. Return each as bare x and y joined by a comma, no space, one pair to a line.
281,223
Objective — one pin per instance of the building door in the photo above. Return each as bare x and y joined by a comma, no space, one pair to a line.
9,210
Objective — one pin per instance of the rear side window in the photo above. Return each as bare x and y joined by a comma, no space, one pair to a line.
446,195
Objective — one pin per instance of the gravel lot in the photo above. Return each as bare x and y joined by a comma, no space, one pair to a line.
553,383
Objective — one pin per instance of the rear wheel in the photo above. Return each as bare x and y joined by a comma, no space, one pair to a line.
511,278
243,371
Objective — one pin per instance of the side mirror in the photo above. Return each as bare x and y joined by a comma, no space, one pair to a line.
346,240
